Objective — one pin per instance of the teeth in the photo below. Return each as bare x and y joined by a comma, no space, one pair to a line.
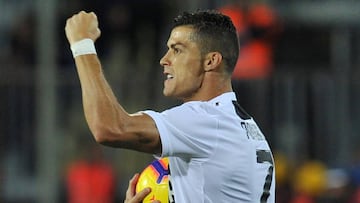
169,76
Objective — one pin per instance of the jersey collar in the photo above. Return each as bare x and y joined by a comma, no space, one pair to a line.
223,98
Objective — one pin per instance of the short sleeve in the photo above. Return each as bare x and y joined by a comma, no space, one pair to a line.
186,131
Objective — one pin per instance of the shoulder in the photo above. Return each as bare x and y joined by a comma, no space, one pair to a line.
187,112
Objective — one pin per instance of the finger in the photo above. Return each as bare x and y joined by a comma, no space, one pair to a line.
130,192
93,14
98,32
139,197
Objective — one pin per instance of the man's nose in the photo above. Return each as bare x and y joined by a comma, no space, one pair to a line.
164,60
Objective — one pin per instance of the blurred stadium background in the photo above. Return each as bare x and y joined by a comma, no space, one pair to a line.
308,107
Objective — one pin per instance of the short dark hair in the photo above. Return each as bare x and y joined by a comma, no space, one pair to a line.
213,32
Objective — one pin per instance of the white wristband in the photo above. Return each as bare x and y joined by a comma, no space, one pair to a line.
83,47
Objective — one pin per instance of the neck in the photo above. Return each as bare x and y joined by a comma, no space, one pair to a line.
214,84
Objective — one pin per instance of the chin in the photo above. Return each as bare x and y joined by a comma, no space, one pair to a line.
166,94
170,95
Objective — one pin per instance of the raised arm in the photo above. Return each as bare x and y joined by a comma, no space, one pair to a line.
109,123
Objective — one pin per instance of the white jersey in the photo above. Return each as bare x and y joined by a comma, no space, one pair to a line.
216,153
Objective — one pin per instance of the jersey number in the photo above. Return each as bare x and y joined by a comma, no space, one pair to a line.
264,156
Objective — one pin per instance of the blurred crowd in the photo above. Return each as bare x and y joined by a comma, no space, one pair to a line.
313,181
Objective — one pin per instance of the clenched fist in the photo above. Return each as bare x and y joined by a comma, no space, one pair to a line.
82,25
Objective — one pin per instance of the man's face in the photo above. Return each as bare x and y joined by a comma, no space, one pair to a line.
183,65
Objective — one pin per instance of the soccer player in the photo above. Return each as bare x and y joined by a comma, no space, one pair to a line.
216,151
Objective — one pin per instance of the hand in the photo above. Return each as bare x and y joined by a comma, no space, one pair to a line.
82,25
132,196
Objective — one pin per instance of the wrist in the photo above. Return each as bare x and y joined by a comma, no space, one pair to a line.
83,47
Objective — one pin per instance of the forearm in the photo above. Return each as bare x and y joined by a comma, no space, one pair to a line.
103,113
108,121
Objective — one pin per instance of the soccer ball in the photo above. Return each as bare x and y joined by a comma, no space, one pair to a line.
155,176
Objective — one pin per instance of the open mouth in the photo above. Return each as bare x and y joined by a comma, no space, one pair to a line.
169,77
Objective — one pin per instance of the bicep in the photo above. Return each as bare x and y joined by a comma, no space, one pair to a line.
139,133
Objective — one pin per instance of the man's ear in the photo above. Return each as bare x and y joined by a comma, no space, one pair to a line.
212,61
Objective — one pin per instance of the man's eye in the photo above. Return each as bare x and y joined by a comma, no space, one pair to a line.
176,50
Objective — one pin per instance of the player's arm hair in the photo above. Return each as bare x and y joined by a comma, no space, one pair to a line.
109,123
